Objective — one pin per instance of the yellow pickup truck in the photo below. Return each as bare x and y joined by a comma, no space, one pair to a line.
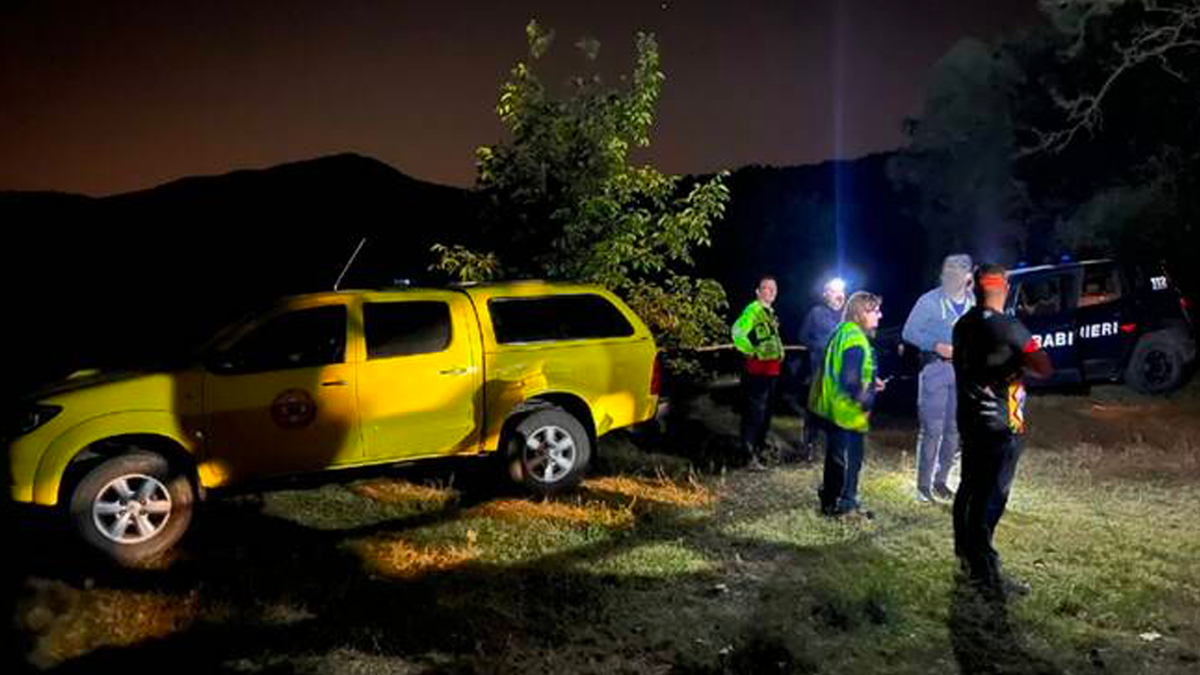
534,370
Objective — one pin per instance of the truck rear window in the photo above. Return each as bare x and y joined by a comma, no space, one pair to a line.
556,317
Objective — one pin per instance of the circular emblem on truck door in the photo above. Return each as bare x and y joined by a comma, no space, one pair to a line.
293,409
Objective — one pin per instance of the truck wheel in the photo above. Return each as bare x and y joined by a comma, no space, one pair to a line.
132,507
1156,365
548,452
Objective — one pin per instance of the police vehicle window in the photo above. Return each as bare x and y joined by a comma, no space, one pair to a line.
299,339
406,328
556,317
1040,297
1100,285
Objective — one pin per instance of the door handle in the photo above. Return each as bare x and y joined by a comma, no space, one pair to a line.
334,383
454,371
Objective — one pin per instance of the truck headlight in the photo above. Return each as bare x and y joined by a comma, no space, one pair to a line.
32,417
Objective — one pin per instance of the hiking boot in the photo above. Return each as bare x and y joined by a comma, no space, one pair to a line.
943,492
865,514
1014,588
857,511
1000,586
755,465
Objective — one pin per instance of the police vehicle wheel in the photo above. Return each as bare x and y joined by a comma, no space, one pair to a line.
1156,365
548,452
132,507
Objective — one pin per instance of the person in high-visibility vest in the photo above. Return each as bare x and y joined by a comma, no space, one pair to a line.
841,397
756,335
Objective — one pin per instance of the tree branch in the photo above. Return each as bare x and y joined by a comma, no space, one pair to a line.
1176,29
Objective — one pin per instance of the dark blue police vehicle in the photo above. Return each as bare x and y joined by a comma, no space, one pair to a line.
1099,320
1107,321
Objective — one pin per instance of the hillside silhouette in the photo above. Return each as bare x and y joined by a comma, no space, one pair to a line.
137,278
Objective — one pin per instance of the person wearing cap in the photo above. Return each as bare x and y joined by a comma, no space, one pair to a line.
842,394
992,352
819,325
929,328
756,336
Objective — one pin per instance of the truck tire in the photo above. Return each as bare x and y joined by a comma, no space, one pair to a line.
548,451
1156,365
132,507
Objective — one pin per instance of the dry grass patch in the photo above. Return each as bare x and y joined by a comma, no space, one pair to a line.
403,492
579,513
400,559
658,490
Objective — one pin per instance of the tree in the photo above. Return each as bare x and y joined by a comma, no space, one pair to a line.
1158,34
1079,133
957,170
563,200
1113,145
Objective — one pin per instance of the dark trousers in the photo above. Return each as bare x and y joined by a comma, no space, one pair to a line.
812,433
759,398
813,429
843,463
989,465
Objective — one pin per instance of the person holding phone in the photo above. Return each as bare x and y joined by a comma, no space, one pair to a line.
842,394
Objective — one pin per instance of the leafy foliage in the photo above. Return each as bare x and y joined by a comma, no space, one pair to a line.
459,262
563,200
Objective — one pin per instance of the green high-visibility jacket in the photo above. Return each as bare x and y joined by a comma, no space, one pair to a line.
826,397
756,333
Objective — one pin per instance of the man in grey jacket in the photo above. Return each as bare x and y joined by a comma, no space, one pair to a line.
930,327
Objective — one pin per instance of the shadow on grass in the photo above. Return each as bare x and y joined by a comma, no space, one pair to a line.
984,638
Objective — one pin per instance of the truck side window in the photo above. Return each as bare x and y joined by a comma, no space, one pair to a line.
406,328
300,339
1040,297
1101,284
556,317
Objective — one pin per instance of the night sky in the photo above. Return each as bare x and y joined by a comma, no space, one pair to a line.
105,97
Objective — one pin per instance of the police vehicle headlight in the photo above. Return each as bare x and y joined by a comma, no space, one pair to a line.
31,418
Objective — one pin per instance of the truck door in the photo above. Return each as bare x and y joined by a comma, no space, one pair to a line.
1045,303
420,387
280,400
1102,335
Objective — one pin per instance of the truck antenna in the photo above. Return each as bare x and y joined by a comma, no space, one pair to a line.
348,264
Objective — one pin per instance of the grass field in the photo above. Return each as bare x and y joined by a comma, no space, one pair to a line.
664,562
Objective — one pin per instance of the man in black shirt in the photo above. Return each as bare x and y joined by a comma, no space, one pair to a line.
992,352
